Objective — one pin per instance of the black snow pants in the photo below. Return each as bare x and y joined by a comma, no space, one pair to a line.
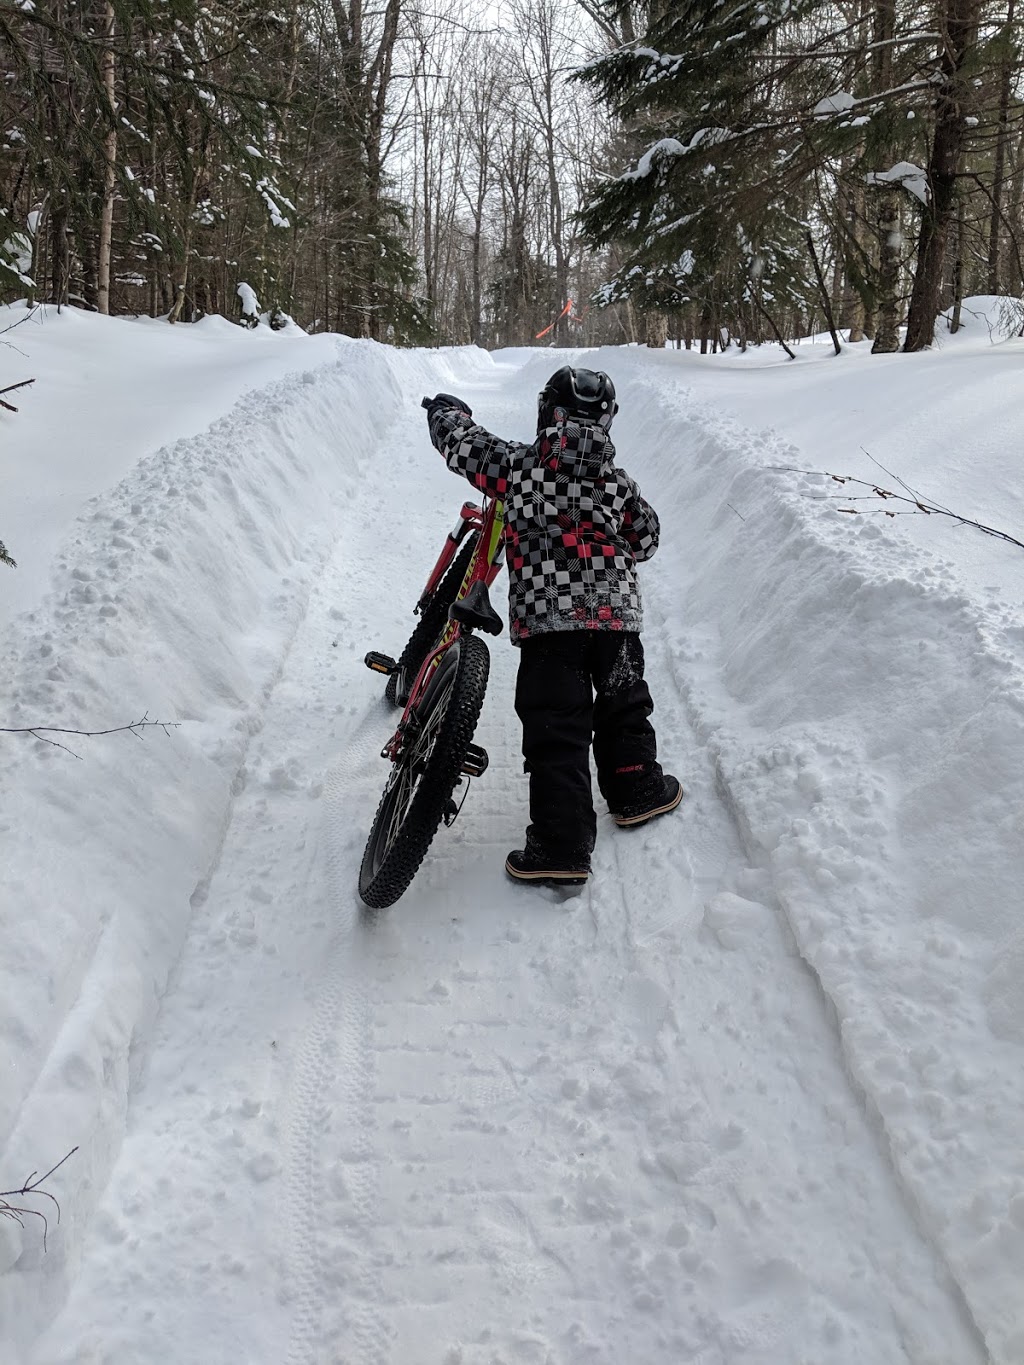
574,685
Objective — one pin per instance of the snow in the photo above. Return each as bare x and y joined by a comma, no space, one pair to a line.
913,178
250,303
753,1097
837,103
660,151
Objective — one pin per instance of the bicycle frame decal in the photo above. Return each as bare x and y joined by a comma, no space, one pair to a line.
496,541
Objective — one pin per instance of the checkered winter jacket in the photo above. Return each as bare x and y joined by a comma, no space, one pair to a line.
576,525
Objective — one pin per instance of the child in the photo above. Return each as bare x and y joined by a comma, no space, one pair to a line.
575,527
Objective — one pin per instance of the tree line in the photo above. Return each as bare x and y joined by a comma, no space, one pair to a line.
571,171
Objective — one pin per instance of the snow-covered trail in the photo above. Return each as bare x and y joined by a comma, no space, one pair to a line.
490,1125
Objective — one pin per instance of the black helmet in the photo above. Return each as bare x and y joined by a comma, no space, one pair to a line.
586,394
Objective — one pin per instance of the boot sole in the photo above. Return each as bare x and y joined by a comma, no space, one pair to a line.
548,878
631,821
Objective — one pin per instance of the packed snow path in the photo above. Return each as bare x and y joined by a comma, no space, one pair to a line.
492,1125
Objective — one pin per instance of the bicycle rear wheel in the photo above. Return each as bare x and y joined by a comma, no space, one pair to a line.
432,622
421,782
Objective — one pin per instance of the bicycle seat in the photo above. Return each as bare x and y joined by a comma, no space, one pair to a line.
475,610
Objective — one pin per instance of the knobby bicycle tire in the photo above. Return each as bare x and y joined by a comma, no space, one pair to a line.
432,622
421,783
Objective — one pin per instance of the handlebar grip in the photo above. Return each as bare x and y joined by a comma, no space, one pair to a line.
424,402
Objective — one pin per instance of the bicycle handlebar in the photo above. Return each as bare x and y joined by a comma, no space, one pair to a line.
425,402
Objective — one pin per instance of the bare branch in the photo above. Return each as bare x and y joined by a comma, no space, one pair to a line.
916,502
30,1188
10,389
40,732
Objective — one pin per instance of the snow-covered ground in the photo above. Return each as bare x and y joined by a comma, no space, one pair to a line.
754,1098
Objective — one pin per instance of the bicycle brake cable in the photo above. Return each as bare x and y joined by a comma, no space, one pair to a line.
450,816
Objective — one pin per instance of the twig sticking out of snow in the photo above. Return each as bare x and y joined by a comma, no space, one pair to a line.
10,389
915,502
41,731
29,1188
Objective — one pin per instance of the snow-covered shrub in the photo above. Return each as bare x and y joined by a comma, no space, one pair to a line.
250,305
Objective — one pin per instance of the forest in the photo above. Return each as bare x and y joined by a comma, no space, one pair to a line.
569,172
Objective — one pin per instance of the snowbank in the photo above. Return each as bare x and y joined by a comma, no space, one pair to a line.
175,593
865,708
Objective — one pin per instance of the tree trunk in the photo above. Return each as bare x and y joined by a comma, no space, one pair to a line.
655,329
999,165
959,28
887,335
958,272
106,231
181,283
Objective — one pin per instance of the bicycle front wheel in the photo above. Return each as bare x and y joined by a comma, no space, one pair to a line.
421,782
432,622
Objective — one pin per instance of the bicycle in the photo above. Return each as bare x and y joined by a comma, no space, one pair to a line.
439,680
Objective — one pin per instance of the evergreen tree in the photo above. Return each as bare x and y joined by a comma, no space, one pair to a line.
751,112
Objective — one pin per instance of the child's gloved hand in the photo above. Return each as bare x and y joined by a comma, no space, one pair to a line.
447,400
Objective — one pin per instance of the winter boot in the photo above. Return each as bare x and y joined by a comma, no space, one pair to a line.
531,864
660,802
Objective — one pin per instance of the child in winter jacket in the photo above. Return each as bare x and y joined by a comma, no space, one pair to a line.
576,526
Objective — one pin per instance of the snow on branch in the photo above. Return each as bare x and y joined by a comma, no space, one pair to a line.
667,147
839,103
913,179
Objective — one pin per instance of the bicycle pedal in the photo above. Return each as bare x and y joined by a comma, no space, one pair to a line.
380,663
475,762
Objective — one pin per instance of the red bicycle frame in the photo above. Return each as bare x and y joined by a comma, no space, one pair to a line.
489,521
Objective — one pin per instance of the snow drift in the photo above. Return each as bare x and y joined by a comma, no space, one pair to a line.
174,595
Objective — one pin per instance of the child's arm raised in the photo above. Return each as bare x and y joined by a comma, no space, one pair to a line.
468,448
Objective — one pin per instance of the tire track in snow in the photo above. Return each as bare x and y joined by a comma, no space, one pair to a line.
331,1107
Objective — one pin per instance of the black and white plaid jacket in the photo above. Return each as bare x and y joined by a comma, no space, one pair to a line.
576,525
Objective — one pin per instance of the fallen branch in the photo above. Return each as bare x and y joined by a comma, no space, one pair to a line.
826,301
10,389
914,502
32,1186
771,323
41,731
